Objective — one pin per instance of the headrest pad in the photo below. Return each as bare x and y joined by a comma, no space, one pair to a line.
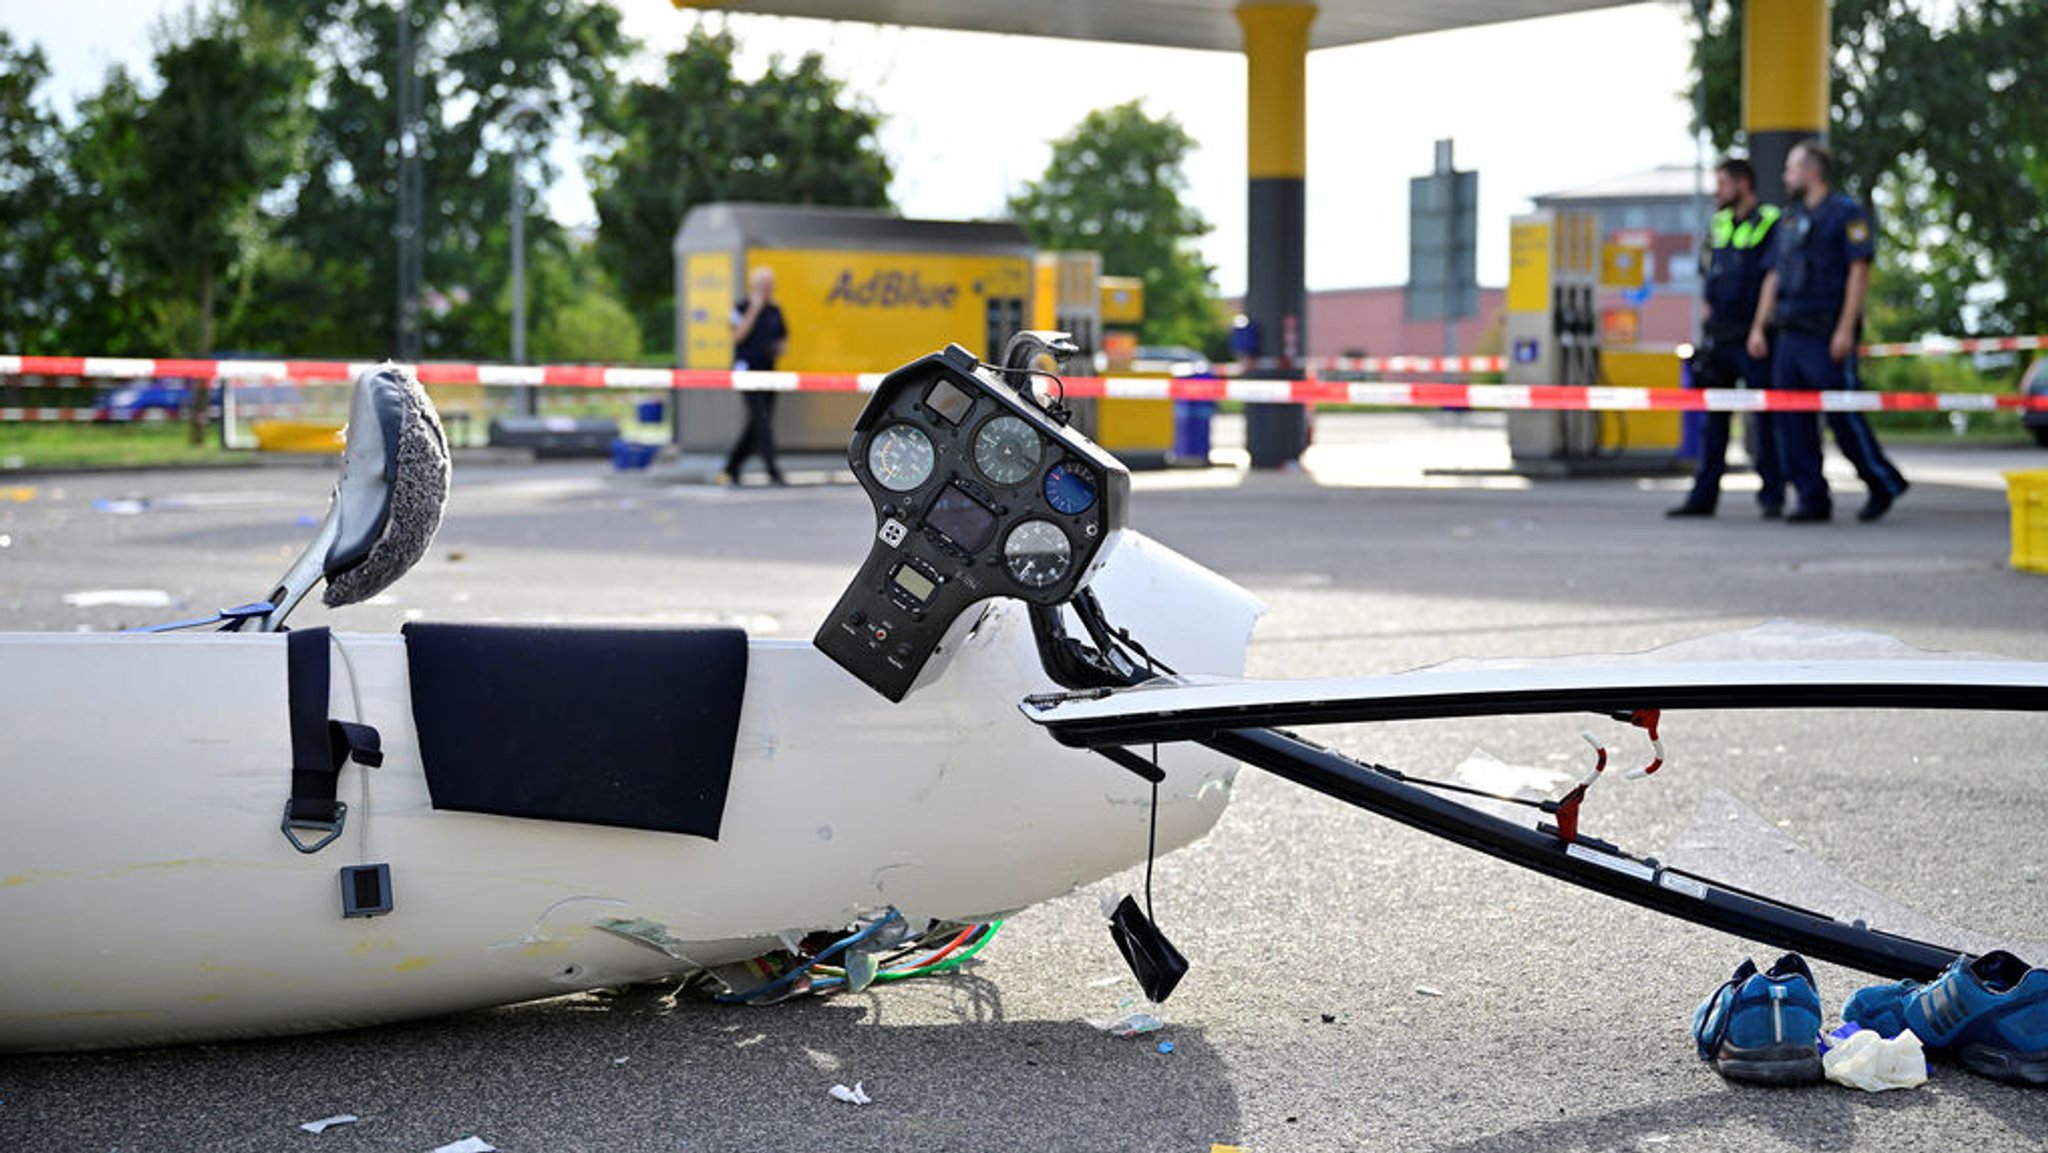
394,482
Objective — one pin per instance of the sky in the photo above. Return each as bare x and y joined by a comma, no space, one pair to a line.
1534,106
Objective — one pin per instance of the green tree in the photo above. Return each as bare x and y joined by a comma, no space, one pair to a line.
700,134
332,288
227,127
1115,186
1936,126
32,184
583,320
109,299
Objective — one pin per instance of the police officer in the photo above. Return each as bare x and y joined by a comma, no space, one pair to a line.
1738,240
1813,295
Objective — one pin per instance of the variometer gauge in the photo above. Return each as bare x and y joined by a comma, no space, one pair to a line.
901,457
1037,554
1006,450
1070,488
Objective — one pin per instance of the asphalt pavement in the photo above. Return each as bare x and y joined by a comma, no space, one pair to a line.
1355,985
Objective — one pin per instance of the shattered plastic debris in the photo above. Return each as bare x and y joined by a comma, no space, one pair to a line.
639,929
861,970
853,1096
1166,1046
1483,771
467,1145
326,1123
1861,1059
1133,1024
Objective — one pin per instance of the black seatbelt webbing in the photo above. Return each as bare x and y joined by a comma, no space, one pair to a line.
315,773
320,746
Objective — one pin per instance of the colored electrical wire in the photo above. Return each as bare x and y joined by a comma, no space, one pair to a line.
947,965
790,978
963,945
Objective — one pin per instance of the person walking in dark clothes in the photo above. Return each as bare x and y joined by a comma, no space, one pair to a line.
759,337
1813,296
1732,268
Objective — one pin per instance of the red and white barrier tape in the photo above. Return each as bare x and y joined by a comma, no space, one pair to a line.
1391,394
1397,365
1943,345
1466,365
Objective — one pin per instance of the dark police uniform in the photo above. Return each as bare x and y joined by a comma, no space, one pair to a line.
1812,254
1733,268
757,353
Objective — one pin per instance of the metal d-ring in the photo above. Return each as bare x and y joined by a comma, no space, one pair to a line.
331,828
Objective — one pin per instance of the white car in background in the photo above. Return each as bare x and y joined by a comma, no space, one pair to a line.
1171,360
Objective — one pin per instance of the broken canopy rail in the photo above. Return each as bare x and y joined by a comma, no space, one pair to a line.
1169,711
1229,717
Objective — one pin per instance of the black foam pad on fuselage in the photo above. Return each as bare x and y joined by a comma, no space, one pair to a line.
626,727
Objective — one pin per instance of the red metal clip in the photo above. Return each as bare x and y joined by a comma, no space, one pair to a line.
1647,720
1567,808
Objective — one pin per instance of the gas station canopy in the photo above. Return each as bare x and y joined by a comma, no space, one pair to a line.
1210,24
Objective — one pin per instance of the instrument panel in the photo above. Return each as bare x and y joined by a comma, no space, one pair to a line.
978,492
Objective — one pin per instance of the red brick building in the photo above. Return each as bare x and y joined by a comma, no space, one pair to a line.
1657,210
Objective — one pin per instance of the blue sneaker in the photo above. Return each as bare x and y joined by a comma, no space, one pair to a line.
1763,1026
1991,1013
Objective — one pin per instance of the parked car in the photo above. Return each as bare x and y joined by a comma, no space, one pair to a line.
2034,385
134,401
1173,360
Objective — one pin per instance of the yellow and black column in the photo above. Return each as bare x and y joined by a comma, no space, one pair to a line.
1784,83
1276,301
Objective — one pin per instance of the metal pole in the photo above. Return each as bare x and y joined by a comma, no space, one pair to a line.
1699,165
529,399
529,396
406,344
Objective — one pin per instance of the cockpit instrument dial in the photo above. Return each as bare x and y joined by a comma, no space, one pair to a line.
901,457
1070,488
1037,553
1006,450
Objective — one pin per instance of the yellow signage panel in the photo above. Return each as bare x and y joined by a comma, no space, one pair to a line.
852,311
1529,266
1123,300
1622,265
709,291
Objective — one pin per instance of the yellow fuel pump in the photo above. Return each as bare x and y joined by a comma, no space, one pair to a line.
1553,335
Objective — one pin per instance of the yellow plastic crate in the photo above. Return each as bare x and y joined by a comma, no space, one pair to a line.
2028,494
322,436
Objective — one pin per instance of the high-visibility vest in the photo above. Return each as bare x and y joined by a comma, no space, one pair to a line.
1750,233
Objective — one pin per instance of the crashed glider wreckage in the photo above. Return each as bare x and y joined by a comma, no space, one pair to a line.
290,831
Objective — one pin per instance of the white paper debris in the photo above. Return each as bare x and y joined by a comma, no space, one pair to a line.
325,1123
1864,1060
853,1096
119,598
1429,990
468,1145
